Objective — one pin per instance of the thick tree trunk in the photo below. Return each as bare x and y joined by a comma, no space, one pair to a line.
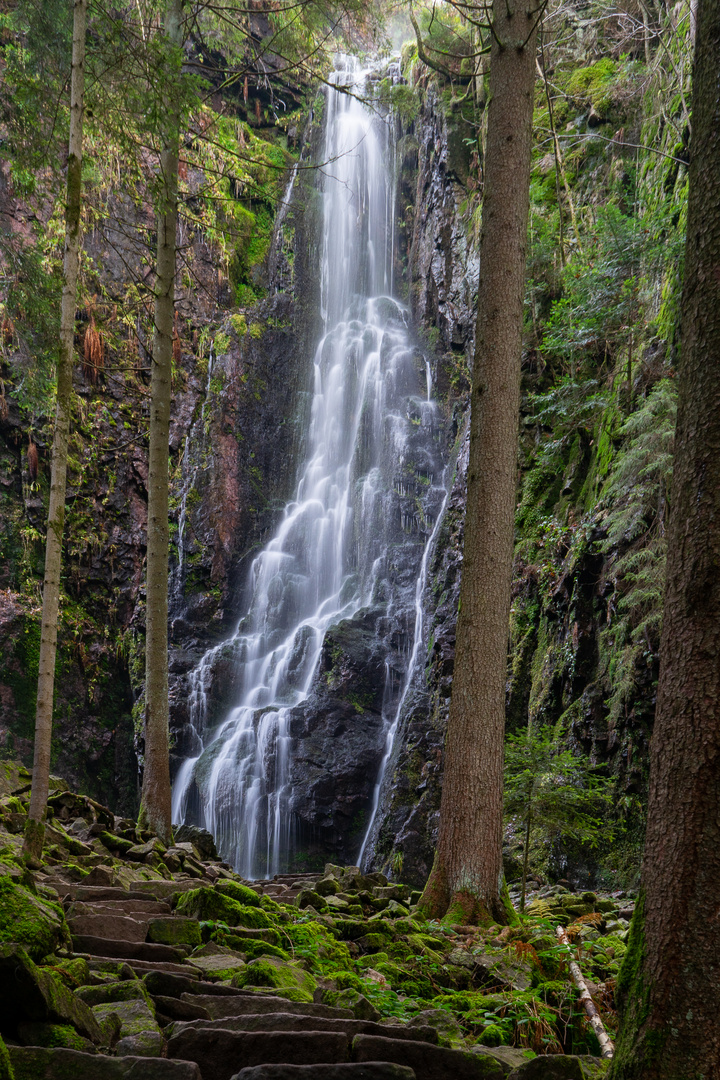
35,828
669,985
155,809
465,882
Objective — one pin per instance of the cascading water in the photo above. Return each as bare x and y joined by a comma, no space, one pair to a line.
329,559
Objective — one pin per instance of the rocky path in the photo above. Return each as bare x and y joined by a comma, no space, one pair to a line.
121,959
167,1015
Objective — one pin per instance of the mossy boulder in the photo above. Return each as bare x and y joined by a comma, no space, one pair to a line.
128,990
72,973
35,923
32,994
254,947
139,1032
236,891
217,961
210,905
352,999
174,931
35,1034
350,929
492,1035
6,1069
310,898
317,945
268,971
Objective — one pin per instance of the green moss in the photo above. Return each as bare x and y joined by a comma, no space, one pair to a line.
6,1069
61,1035
37,924
252,948
72,973
493,1035
279,975
211,905
637,1047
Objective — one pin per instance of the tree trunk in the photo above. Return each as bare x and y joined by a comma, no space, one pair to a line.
35,828
669,985
465,883
155,808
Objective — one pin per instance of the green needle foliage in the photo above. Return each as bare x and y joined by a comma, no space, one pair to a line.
552,792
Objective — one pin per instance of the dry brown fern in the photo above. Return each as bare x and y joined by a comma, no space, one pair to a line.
176,344
32,459
593,919
93,351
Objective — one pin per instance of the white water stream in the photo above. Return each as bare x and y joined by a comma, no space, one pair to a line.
328,557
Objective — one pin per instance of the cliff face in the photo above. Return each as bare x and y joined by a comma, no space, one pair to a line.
238,393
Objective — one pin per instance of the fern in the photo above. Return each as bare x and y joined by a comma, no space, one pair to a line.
636,499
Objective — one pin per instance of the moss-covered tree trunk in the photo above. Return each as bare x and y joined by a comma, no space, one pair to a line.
155,808
669,985
465,882
35,828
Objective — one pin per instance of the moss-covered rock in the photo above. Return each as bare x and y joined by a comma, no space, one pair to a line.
72,973
139,1032
36,924
174,931
268,971
29,993
128,990
237,891
34,1034
6,1069
210,905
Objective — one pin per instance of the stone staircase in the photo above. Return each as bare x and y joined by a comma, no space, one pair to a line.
165,1015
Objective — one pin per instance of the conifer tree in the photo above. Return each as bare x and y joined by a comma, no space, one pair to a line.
465,882
35,828
155,809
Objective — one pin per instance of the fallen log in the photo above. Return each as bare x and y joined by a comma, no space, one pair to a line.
606,1047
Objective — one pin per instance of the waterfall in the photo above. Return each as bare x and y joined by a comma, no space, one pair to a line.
365,489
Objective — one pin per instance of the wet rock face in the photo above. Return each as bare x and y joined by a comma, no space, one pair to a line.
441,270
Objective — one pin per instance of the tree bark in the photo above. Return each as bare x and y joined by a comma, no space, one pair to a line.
155,808
35,828
466,880
669,985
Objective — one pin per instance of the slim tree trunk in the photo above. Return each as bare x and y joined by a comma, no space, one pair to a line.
465,883
155,809
35,828
669,985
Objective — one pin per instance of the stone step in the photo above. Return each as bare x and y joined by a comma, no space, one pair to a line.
285,1021
126,950
175,984
169,1010
131,908
162,890
53,1063
221,1053
144,967
429,1062
347,1070
91,893
249,1004
114,927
